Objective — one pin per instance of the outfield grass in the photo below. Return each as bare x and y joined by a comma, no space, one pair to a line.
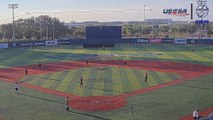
168,103
23,56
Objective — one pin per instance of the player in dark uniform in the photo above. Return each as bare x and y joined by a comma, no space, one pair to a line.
146,77
39,65
26,71
81,81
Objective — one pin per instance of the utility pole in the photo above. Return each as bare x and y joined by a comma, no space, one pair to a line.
13,6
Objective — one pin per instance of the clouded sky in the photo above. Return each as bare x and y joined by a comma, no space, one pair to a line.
97,10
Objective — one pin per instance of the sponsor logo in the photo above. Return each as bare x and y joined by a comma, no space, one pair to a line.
26,44
51,42
167,40
180,41
177,12
155,40
39,43
63,41
142,41
202,9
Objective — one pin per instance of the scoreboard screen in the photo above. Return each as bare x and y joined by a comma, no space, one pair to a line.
103,32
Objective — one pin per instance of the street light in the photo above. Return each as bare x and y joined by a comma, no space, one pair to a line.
13,6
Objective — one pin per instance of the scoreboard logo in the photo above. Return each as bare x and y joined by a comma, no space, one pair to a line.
202,9
177,12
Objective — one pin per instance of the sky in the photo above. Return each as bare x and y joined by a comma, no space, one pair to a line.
97,10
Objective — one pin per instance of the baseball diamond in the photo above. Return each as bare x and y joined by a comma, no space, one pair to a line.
108,84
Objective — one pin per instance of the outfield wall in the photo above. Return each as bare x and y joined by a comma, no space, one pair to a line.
166,40
110,42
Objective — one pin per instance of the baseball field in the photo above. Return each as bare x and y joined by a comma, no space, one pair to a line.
179,81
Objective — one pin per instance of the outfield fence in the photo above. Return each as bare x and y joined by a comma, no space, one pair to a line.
107,42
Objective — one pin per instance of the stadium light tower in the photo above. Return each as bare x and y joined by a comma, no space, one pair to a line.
145,10
13,6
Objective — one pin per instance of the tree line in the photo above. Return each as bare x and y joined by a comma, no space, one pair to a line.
173,30
48,28
34,28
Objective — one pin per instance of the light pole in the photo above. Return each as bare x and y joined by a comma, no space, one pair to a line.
13,6
144,10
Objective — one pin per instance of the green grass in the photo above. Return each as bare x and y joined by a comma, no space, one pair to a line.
21,56
99,81
168,103
173,102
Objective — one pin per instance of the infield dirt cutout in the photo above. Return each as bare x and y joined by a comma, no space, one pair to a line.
187,71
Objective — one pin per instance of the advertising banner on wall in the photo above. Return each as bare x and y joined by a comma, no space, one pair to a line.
3,45
155,40
142,40
29,44
38,43
167,40
63,42
51,42
26,44
180,41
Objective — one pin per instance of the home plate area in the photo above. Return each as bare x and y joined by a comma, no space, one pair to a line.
96,103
